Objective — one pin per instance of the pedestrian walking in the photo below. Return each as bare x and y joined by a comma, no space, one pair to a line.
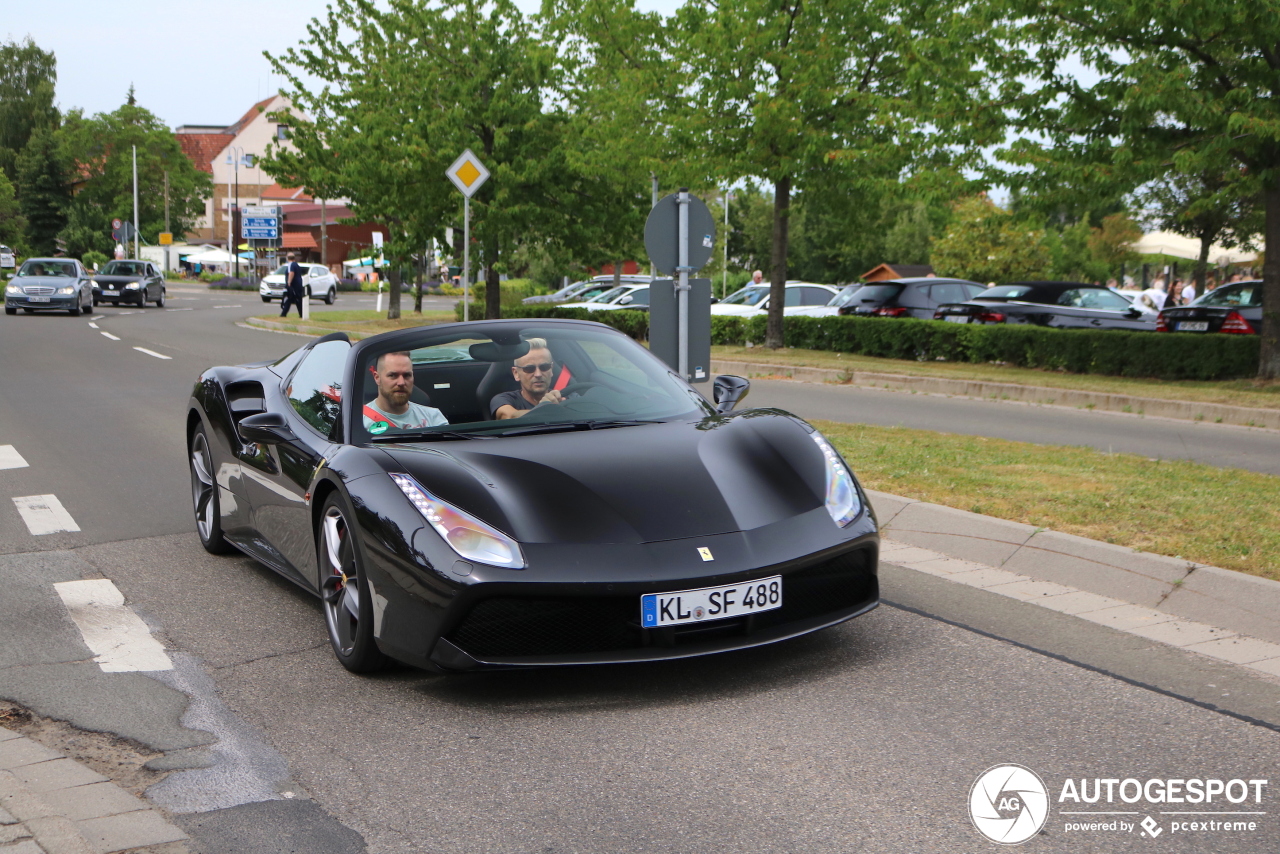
293,290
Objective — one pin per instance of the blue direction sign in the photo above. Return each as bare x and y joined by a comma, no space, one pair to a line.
260,233
259,222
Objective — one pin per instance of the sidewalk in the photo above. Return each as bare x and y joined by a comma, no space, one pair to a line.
1226,615
50,804
1244,416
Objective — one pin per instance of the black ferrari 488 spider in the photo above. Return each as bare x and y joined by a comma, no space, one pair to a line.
526,493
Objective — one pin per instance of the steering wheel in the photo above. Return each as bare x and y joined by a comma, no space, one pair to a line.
577,386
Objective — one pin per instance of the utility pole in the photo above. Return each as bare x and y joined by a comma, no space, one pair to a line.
724,274
137,248
653,177
166,221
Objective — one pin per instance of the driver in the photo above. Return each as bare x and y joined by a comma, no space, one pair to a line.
533,371
392,409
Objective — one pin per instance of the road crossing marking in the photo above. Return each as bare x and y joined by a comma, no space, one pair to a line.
112,337
152,353
181,309
93,325
44,514
120,641
10,458
98,317
237,305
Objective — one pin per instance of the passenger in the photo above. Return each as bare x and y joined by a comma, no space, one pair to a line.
533,371
392,409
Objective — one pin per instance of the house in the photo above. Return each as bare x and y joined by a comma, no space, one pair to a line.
884,272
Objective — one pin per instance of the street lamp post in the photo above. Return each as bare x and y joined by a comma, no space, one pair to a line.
235,156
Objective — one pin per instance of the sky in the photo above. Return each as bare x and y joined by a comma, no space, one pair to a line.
190,61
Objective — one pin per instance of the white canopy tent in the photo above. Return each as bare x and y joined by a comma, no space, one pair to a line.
363,262
1168,243
212,256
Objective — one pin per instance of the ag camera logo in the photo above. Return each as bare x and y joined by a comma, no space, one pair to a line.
1009,804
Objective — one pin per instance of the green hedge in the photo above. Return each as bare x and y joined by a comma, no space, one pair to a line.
1168,356
1078,351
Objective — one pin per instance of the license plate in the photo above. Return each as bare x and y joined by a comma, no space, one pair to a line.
710,603
957,318
37,299
111,291
1193,326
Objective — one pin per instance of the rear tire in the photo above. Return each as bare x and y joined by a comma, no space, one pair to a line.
204,496
348,603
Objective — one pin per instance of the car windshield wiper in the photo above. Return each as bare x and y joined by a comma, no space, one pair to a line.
425,436
573,426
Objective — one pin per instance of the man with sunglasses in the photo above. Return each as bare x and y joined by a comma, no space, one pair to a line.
534,372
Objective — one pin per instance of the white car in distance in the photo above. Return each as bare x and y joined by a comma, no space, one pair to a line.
623,296
317,281
754,299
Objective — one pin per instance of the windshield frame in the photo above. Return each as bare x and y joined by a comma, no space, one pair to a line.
62,264
686,402
108,269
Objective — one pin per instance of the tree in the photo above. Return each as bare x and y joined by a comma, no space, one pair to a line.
43,191
986,243
27,79
909,238
1184,87
1208,207
100,150
403,91
806,95
13,225
1111,243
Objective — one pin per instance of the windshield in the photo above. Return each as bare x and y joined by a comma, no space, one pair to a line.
1234,295
868,294
611,294
48,268
746,296
124,268
488,381
1004,292
281,270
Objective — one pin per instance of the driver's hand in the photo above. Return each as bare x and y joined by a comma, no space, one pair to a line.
552,396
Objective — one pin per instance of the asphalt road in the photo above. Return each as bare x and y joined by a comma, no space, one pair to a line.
866,737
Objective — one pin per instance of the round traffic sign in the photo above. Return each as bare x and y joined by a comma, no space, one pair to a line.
115,224
662,234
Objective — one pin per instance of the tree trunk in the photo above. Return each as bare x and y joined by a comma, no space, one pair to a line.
1269,357
393,295
492,288
617,273
773,337
1202,263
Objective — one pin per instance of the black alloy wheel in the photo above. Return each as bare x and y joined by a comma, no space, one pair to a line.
142,298
204,497
348,609
160,299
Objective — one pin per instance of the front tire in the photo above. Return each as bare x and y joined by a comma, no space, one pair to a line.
266,299
160,299
330,297
8,310
348,605
204,497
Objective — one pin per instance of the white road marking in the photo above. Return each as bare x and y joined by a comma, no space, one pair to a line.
120,641
112,337
44,514
182,309
98,317
93,325
237,305
152,353
10,458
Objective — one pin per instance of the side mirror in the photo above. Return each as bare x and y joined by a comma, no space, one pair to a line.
269,428
625,301
715,299
1132,313
728,391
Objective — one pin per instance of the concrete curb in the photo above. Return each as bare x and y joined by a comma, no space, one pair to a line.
1232,601
55,805
293,329
1243,416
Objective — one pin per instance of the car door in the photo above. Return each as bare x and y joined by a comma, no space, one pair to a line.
1099,308
280,478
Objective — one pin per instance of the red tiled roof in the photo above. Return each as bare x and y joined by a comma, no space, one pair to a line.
290,194
297,240
203,147
250,115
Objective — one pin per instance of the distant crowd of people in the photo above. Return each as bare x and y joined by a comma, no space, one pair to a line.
1159,295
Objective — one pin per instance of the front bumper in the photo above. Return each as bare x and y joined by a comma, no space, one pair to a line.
60,303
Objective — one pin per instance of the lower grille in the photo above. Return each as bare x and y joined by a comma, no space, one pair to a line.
507,627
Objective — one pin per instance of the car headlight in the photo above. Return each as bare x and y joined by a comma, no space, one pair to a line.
12,289
843,502
465,534
132,286
69,289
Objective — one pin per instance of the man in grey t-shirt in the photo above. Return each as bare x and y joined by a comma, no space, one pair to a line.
533,371
392,409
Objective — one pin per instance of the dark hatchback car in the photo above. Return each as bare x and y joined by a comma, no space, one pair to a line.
904,297
138,282
1234,309
1062,305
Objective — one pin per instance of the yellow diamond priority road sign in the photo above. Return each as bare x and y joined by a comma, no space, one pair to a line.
467,173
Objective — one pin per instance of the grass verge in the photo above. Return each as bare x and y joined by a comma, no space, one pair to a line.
1222,517
1242,392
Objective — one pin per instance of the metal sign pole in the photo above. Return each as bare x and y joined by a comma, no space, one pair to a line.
466,257
682,289
137,249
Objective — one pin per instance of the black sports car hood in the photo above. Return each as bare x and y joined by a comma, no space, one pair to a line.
635,484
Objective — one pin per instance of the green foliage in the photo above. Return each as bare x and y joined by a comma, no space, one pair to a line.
513,291
909,239
986,243
1082,351
43,192
101,147
27,79
94,260
13,225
